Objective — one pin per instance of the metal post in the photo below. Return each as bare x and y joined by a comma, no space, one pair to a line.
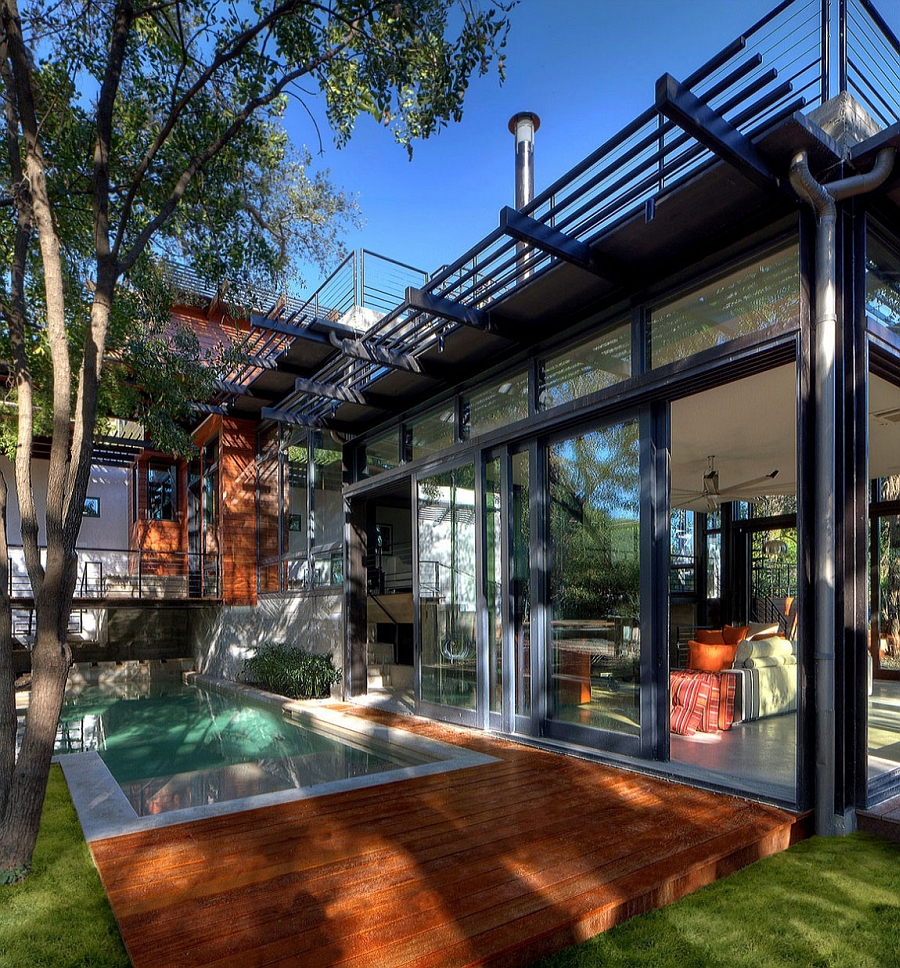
523,126
842,35
826,50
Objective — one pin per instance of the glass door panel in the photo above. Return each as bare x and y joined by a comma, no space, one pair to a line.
447,587
595,580
493,579
521,580
884,647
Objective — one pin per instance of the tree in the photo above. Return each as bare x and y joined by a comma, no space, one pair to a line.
137,131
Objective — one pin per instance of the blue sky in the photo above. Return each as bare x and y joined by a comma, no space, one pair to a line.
587,67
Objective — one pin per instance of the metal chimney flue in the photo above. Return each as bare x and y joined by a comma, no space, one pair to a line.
523,125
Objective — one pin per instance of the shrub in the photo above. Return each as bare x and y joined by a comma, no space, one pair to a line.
291,672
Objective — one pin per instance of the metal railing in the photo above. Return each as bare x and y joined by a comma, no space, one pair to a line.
360,291
870,60
782,64
108,574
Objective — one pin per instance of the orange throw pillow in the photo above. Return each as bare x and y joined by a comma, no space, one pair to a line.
704,657
709,636
735,633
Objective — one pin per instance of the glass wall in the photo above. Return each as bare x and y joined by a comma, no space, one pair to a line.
495,405
759,295
520,617
327,500
883,659
882,284
595,579
596,364
429,434
493,578
300,510
447,587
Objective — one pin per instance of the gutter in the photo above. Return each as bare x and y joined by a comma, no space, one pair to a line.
823,199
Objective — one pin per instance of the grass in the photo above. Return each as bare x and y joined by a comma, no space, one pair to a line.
825,903
59,916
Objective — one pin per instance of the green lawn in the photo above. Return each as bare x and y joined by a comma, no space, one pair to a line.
825,903
59,915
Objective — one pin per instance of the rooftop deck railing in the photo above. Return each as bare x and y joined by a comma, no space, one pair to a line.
870,54
775,68
782,64
360,291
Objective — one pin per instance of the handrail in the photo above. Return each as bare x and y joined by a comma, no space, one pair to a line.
131,573
645,158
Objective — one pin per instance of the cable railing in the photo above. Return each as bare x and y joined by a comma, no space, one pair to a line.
774,69
870,61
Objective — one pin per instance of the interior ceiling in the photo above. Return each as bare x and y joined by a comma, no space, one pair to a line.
750,427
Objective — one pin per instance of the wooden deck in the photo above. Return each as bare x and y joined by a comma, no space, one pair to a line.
494,865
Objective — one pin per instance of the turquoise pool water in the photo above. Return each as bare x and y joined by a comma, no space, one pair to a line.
172,746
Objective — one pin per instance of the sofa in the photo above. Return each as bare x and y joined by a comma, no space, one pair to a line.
753,664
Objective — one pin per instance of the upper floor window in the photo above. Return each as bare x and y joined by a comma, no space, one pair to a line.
595,364
499,403
162,492
762,293
882,284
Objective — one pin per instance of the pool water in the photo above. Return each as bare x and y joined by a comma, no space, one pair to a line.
172,746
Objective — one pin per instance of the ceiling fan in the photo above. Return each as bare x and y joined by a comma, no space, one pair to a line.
714,495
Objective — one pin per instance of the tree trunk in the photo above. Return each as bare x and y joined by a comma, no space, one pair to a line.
7,671
50,662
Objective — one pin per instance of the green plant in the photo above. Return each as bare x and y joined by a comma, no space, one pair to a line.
291,672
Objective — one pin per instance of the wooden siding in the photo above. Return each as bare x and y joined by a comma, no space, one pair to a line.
494,865
237,480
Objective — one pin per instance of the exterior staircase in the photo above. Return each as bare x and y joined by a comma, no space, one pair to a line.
390,684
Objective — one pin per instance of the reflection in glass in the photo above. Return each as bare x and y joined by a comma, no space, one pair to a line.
595,579
427,435
882,288
521,580
493,580
382,453
496,405
762,294
601,362
446,535
296,536
328,505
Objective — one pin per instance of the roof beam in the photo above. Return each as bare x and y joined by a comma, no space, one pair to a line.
329,390
289,417
315,329
359,349
525,229
698,119
243,390
427,302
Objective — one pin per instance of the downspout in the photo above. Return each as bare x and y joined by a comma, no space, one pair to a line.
823,199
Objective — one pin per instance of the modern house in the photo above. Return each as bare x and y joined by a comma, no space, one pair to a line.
661,399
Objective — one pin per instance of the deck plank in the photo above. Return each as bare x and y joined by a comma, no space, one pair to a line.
494,865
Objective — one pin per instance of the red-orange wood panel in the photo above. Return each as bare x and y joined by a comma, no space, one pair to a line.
494,865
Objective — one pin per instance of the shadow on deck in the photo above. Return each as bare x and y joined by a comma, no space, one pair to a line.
494,865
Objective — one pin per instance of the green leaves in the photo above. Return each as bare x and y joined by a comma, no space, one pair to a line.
291,672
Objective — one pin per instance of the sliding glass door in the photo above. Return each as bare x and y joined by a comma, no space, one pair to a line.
446,526
595,584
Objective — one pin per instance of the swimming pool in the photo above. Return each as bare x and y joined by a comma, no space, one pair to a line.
165,753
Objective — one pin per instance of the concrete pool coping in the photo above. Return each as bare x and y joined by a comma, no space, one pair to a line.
104,811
